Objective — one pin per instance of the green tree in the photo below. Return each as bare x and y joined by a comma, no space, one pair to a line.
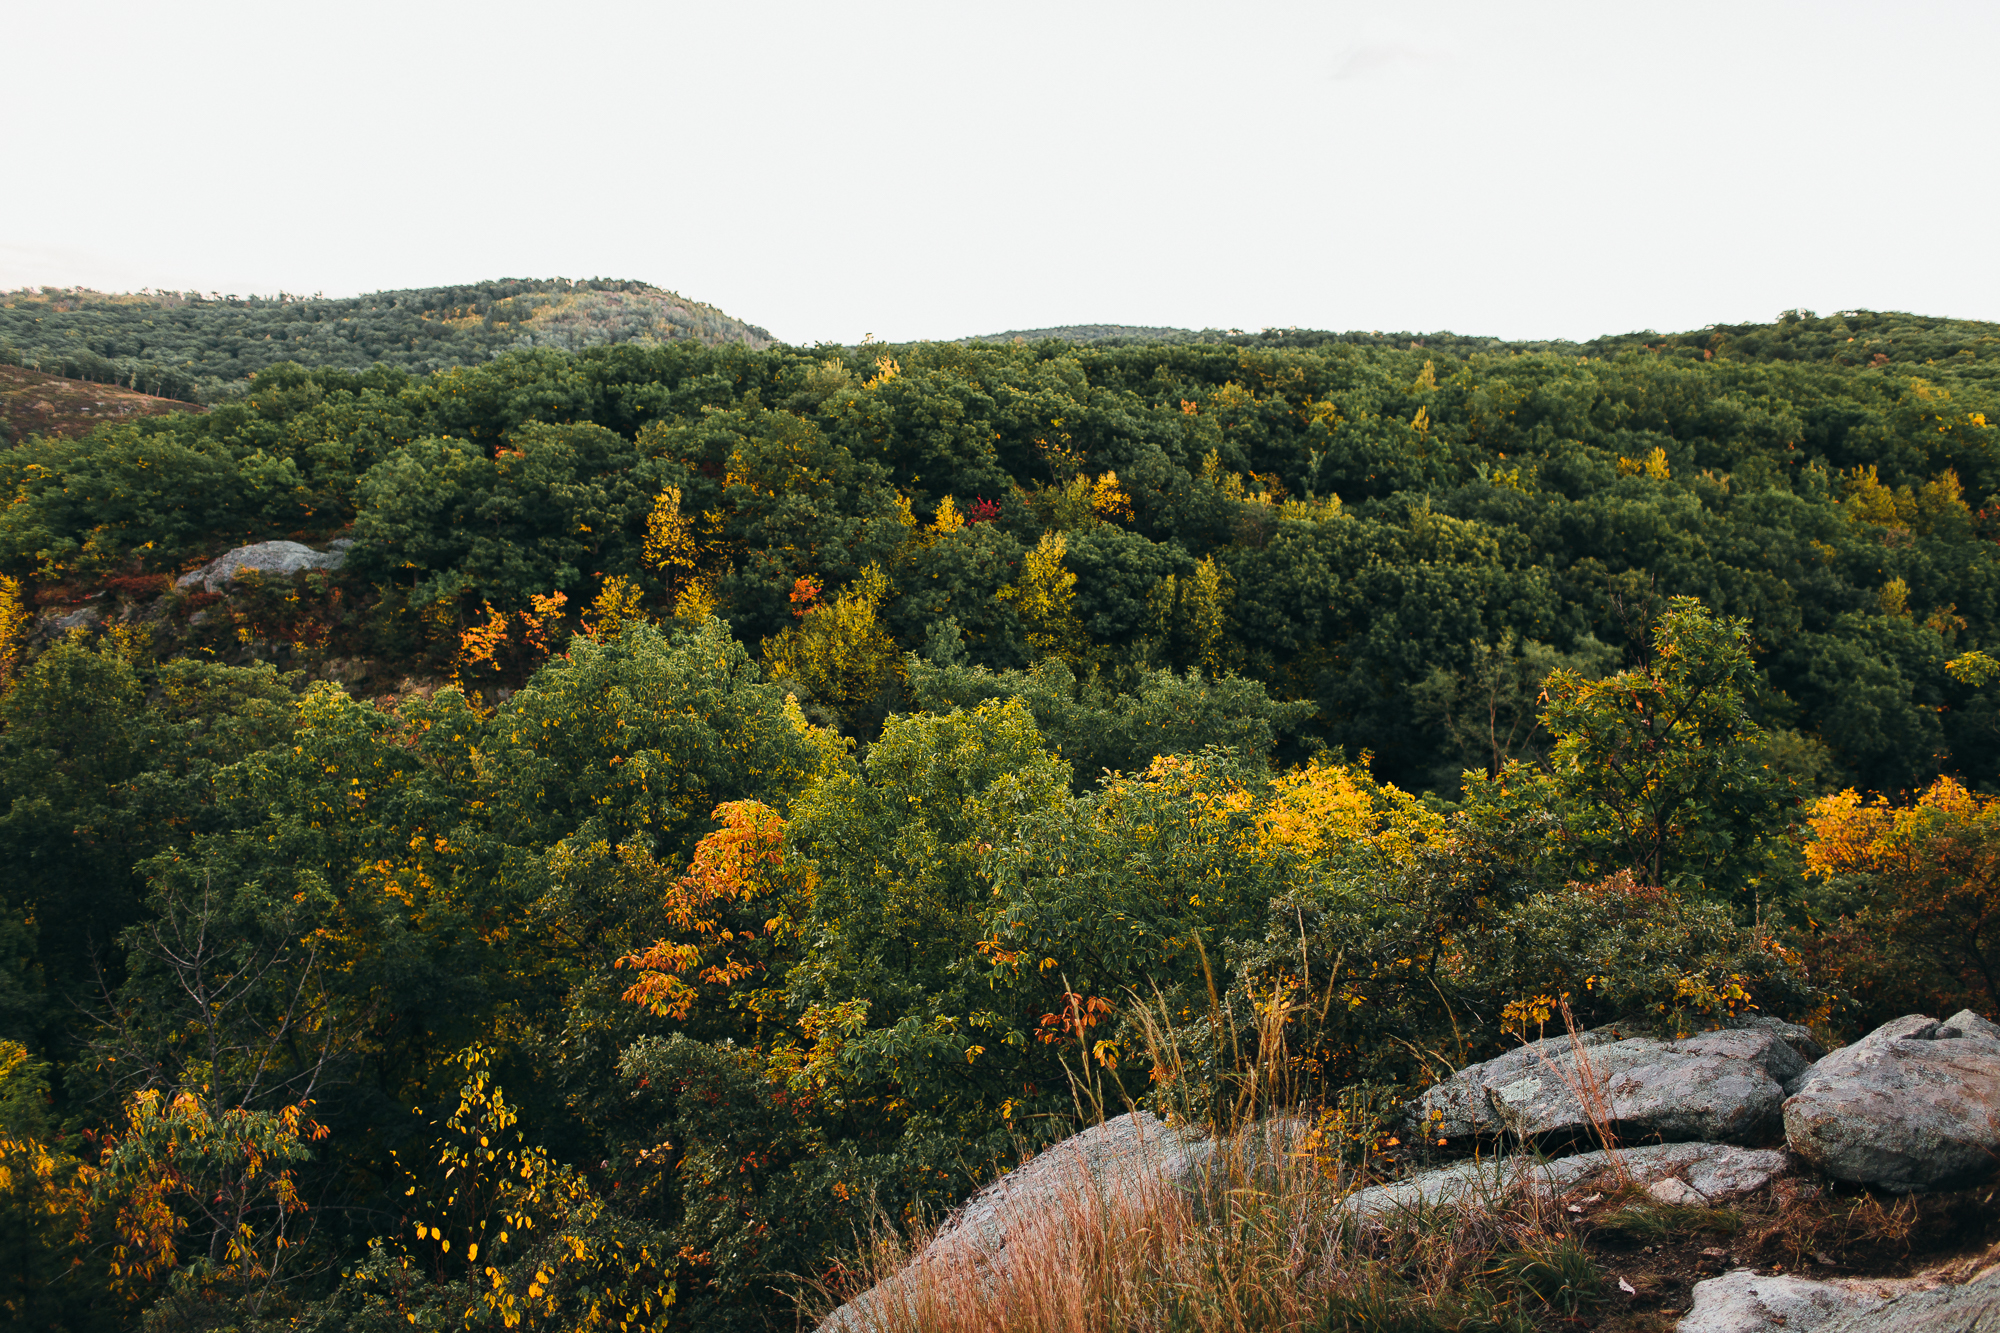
1662,770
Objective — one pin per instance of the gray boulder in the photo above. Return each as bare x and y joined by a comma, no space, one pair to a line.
1798,1038
1972,1308
1743,1302
1688,1173
272,559
1117,1160
1914,1105
1728,1086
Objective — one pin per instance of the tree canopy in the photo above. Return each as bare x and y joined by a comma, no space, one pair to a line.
728,797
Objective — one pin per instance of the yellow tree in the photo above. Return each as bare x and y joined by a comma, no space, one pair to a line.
1045,598
838,652
1909,917
1190,617
618,603
673,548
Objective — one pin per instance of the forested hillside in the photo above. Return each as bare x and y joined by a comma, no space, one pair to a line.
1960,348
195,346
729,798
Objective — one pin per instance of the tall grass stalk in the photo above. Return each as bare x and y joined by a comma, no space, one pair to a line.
1257,1241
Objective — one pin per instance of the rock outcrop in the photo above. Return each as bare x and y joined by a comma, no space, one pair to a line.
1800,1039
1743,1302
1914,1105
1972,1308
1704,1173
1726,1085
268,558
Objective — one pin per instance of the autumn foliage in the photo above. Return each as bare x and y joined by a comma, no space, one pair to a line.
737,873
1910,913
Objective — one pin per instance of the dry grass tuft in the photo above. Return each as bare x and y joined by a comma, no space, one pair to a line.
1261,1245
1258,1243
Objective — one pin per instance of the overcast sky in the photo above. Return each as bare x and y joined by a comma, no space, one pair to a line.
931,170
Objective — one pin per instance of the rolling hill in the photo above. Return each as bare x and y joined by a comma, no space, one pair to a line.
186,345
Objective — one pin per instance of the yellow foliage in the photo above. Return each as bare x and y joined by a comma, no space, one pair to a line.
1973,668
886,369
1232,399
132,642
1263,488
1894,598
670,541
1205,611
619,601
46,1196
949,520
1854,835
1229,483
840,653
554,1258
1045,597
695,601
1108,499
1315,807
1193,615
1923,884
14,618
1653,465
1313,511
1922,508
1941,495
1530,1013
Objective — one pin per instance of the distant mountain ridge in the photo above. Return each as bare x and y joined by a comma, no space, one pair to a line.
187,345
1114,334
1965,349
195,347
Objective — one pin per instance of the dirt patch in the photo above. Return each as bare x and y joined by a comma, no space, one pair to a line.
1799,1227
33,403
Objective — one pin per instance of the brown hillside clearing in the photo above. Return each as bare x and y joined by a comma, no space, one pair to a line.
34,403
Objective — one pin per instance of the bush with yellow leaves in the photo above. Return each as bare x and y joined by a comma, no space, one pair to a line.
1905,900
496,1234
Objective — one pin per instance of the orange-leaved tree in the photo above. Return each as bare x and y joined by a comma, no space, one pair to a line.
739,902
490,645
204,1196
1908,913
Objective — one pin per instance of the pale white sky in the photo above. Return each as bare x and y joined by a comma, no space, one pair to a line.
934,169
